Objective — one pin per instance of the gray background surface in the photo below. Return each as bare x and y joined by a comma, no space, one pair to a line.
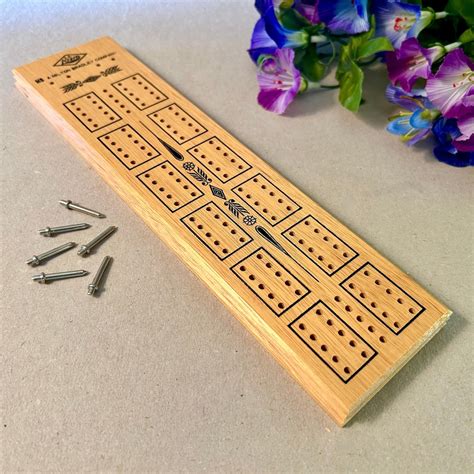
156,374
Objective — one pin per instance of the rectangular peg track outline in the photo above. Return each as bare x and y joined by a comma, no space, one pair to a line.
220,171
345,377
160,117
225,254
161,199
148,88
330,270
257,205
84,103
164,198
385,317
129,156
275,303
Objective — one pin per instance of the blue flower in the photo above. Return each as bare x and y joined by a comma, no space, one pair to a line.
260,42
414,123
446,132
344,16
283,37
399,21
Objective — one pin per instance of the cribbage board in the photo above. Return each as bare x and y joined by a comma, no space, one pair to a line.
335,313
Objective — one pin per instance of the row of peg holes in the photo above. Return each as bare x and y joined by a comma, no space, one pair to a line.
131,94
183,119
83,114
209,234
162,189
360,319
389,291
261,286
326,238
257,203
126,155
324,347
111,96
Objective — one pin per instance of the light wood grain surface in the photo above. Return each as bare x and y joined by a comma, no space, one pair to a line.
337,315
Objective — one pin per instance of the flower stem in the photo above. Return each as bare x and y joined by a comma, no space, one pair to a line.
439,15
318,39
449,47
329,86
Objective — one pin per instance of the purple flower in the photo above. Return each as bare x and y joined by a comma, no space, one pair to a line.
278,79
447,134
465,142
414,123
344,16
260,42
452,87
399,21
410,62
308,9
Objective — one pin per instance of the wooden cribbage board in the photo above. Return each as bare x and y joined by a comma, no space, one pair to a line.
335,313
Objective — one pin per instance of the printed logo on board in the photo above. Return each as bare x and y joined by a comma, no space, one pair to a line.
70,59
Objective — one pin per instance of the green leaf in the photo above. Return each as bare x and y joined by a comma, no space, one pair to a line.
373,46
311,66
351,78
292,20
467,36
350,93
464,8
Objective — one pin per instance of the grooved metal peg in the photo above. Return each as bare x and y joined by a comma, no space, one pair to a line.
50,231
37,259
46,277
86,248
94,286
75,207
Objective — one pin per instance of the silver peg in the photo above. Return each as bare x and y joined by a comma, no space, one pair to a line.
37,259
94,286
50,231
46,277
75,207
86,248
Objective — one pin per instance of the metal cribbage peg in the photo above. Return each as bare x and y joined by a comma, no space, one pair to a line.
94,286
50,231
86,248
47,277
75,207
37,259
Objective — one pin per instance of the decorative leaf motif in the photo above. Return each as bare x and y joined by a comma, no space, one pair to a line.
111,70
201,176
71,86
236,208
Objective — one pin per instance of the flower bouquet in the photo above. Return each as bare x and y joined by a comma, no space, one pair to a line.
426,46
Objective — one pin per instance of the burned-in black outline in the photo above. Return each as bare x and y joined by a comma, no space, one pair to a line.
262,215
118,157
149,83
261,249
200,193
204,242
369,309
325,270
107,105
345,324
170,134
210,171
